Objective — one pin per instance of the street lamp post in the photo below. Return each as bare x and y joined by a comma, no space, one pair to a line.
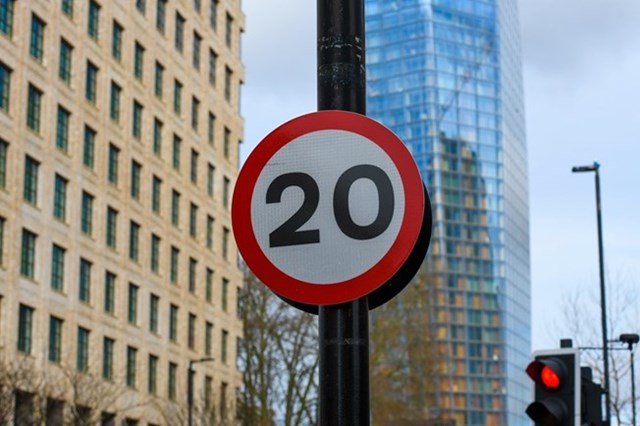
603,305
190,386
630,340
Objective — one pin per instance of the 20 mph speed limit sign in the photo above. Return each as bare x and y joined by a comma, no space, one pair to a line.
328,208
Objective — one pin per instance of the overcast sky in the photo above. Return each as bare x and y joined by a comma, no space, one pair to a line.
582,89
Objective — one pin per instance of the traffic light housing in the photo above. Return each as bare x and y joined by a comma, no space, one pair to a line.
591,410
556,375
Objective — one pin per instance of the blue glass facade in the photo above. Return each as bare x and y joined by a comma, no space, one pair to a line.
445,76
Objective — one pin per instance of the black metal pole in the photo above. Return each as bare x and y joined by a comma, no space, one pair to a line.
603,303
633,386
190,393
344,329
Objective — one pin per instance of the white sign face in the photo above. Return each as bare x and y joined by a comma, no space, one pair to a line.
324,156
328,207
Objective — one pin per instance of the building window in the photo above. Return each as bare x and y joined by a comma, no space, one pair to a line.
223,346
116,41
226,184
208,393
86,219
152,380
211,124
179,36
93,25
6,16
134,240
114,102
130,422
191,331
213,65
208,291
213,14
4,148
211,170
107,358
112,167
154,301
24,407
131,367
173,266
210,226
161,13
195,113
28,254
36,46
157,136
225,243
88,153
30,186
82,358
34,104
154,261
194,166
177,143
158,80
90,93
177,97
109,292
55,339
5,86
136,172
64,68
156,191
138,61
208,334
173,323
228,81
225,294
136,129
25,326
171,382
67,7
226,142
193,220
197,42
132,313
175,207
2,222
228,35
62,129
84,284
112,219
193,265
55,411
60,197
141,5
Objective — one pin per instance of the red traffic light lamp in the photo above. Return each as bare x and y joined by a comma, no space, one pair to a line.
548,373
556,375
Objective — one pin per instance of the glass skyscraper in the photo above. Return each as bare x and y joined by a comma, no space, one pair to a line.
445,76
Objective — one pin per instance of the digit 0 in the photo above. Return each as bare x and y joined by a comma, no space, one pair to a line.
386,202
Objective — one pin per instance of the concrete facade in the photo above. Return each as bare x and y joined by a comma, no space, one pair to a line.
132,143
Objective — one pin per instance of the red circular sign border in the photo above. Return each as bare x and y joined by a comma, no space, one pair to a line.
363,284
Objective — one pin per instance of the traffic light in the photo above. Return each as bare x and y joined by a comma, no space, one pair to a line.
591,410
556,374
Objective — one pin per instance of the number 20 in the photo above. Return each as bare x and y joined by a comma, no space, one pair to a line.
289,233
